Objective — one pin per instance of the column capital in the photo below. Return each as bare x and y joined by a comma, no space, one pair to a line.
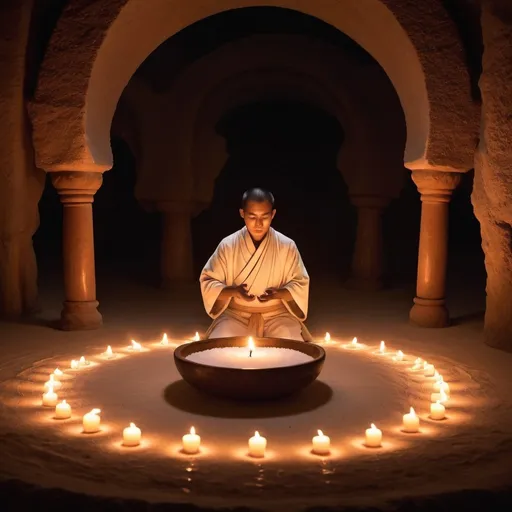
76,186
436,186
373,202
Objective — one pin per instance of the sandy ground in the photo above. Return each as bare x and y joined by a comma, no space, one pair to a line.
463,461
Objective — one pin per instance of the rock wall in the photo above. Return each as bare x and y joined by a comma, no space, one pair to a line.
492,189
21,184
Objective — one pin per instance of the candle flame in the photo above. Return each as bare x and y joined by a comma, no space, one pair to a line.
57,372
256,434
320,433
165,340
109,351
63,402
82,360
373,426
136,345
382,347
418,360
250,343
193,431
412,411
95,411
196,337
354,341
132,425
327,337
73,364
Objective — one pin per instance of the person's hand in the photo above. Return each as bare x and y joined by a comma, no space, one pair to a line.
241,292
271,294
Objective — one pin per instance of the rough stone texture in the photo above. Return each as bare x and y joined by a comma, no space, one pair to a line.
492,189
21,184
78,92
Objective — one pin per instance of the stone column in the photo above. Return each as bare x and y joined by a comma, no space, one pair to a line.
367,261
436,189
76,190
176,263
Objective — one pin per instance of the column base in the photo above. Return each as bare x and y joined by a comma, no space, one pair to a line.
429,313
80,316
366,285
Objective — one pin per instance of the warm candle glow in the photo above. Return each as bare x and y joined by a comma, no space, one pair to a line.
429,370
63,411
251,346
437,411
321,444
165,340
74,364
50,398
354,341
91,421
136,346
411,422
131,435
197,337
327,337
382,348
83,361
257,445
54,384
440,384
57,373
109,353
191,442
399,356
373,437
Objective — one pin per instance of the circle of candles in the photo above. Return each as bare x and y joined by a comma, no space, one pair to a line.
257,445
91,421
57,374
437,411
165,340
52,383
411,422
191,441
63,411
131,435
109,354
50,398
441,385
74,364
327,337
373,437
321,444
382,348
137,347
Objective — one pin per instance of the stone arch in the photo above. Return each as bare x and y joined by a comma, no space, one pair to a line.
72,110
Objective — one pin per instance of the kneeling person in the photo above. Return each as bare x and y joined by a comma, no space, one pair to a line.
255,282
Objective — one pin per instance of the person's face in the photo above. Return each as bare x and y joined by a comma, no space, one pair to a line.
257,218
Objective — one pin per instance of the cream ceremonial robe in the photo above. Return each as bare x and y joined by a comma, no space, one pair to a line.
276,263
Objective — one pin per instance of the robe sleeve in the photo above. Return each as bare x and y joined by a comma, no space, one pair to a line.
213,280
297,282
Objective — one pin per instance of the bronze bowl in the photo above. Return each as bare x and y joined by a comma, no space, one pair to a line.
252,383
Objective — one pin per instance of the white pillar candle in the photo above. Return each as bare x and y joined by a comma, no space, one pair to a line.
74,364
83,361
57,374
411,422
197,337
91,421
136,347
437,411
373,437
399,356
382,348
131,435
165,340
191,442
109,353
327,337
63,411
429,370
441,384
50,398
257,445
52,383
321,444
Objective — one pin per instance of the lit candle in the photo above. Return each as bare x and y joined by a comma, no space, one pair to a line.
63,411
441,396
354,342
131,435
321,444
382,348
165,340
411,422
429,369
251,346
57,374
437,411
74,364
136,347
50,398
418,364
109,354
197,337
327,337
441,385
399,356
257,445
91,421
191,442
83,362
52,383
373,437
